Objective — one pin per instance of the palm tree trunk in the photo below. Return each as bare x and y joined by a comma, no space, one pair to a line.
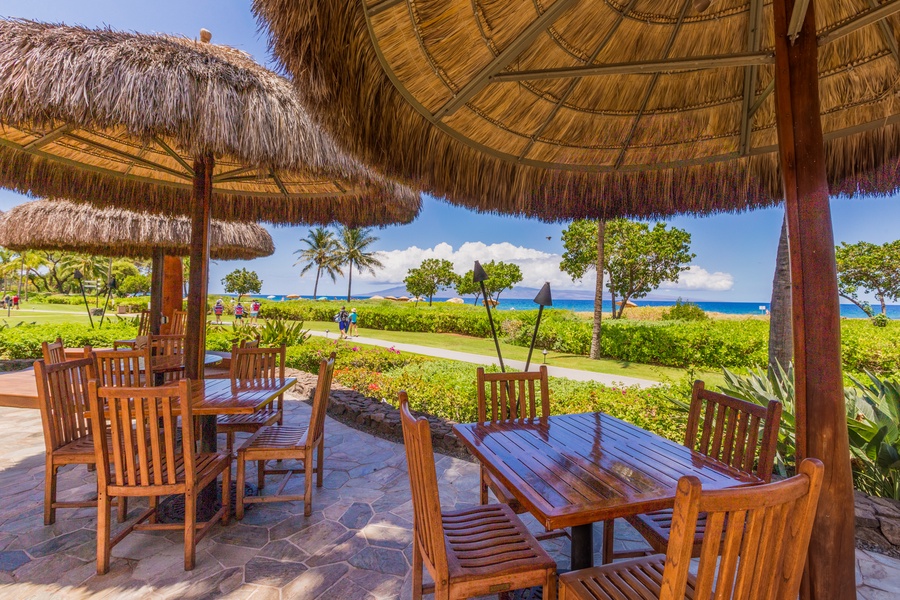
781,340
349,280
598,292
316,285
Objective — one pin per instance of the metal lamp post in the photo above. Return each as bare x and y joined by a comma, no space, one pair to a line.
79,276
480,276
110,286
542,299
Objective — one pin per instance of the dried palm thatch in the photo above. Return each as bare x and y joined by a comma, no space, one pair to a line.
70,227
575,108
117,118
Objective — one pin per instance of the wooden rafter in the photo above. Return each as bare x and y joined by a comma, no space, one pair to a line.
641,67
798,13
159,142
47,138
669,43
754,41
762,97
886,33
891,7
238,174
504,58
381,7
565,95
128,156
279,183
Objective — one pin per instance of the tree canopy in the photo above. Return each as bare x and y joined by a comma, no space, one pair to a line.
637,258
353,251
242,282
321,251
868,267
501,277
428,278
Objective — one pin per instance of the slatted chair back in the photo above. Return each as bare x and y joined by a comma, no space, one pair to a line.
63,396
762,532
511,396
166,345
254,343
120,368
257,367
144,323
143,450
54,352
739,433
428,529
178,323
320,401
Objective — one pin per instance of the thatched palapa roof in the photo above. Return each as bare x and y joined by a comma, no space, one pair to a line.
117,118
575,108
59,225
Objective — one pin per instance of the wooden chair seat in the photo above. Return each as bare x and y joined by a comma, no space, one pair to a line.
638,579
79,452
489,541
246,423
271,442
208,466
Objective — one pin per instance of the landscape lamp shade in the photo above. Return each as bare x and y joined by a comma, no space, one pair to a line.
543,298
480,276
78,275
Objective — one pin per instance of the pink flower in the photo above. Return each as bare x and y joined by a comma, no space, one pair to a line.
356,348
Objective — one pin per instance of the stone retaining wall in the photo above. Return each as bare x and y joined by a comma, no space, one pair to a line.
878,523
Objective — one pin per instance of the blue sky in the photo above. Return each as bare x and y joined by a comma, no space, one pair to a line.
735,252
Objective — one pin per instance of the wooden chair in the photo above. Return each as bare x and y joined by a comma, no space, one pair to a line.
471,552
223,369
736,432
508,397
149,462
120,368
254,367
62,396
296,443
167,347
178,323
143,331
766,531
55,352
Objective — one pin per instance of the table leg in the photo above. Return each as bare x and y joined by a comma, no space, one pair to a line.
207,501
582,547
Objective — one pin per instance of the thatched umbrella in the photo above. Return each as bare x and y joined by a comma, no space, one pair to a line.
571,109
58,225
175,126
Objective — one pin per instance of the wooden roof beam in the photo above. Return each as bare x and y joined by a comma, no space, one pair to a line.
49,137
889,8
886,33
174,155
381,7
502,60
128,156
239,174
279,183
798,13
649,67
751,73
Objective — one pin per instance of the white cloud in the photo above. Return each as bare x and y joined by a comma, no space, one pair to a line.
697,278
537,266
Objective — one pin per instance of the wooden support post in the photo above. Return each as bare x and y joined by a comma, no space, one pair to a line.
195,334
157,274
172,290
821,422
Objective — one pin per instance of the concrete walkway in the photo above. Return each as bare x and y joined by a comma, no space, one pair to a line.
479,359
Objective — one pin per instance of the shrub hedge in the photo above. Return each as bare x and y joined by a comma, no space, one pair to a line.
24,341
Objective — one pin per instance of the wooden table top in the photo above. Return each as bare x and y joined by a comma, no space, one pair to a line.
573,470
19,389
218,397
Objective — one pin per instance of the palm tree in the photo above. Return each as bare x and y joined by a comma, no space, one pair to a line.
352,251
321,252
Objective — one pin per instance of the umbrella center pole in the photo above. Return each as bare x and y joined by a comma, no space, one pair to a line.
157,273
195,334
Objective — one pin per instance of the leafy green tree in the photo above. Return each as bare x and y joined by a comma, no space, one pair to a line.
636,258
241,282
501,277
584,242
353,245
134,284
432,275
869,267
322,252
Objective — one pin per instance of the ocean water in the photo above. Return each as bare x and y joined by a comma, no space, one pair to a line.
729,308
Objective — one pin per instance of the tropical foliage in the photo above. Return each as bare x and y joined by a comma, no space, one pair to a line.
868,267
320,252
242,282
353,251
430,277
501,277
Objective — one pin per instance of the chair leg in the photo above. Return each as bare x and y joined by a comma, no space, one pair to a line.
122,504
239,496
226,494
229,441
307,484
153,503
484,488
260,474
416,572
609,536
320,462
550,585
50,472
190,529
103,530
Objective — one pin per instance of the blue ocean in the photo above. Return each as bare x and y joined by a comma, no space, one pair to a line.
850,311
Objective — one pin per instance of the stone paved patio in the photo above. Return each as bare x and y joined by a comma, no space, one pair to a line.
355,545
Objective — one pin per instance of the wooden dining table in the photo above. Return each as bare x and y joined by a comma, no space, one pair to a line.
576,470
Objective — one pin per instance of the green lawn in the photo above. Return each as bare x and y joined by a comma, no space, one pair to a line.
472,345
49,313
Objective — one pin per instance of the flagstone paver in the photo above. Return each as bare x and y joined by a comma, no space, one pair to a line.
356,544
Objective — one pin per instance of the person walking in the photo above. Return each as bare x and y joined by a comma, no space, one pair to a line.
238,313
254,311
354,332
218,309
15,300
343,322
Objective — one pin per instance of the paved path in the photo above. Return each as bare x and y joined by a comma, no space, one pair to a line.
480,359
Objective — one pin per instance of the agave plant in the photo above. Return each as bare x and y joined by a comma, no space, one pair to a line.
275,332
